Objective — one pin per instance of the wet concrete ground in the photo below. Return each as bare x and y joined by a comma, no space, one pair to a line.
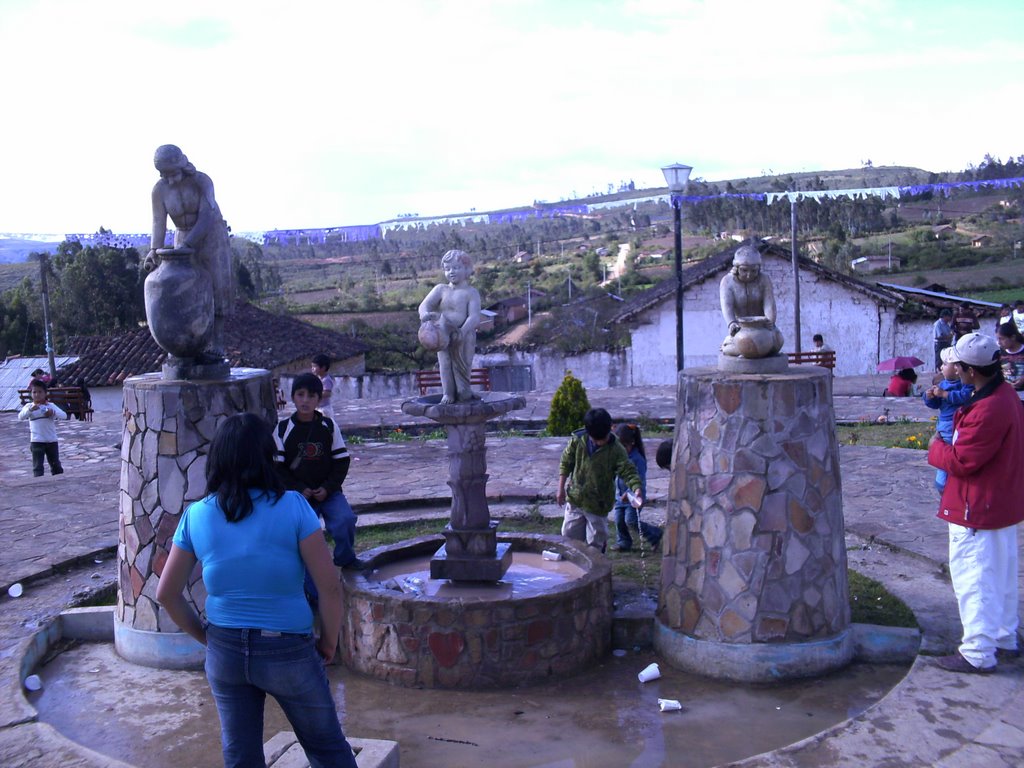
601,719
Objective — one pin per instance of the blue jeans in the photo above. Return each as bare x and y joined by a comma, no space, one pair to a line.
626,517
340,521
243,666
341,524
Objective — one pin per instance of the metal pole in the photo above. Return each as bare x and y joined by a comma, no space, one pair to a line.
677,213
43,262
796,274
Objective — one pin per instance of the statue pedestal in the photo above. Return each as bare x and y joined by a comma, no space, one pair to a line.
167,433
754,584
188,368
470,551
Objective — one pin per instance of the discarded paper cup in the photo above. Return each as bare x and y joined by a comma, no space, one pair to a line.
33,683
15,590
648,673
550,554
667,705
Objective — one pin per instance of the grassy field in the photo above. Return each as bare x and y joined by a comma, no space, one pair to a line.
979,280
899,434
12,274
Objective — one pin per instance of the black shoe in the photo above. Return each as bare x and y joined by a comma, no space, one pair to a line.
355,564
955,662
1007,654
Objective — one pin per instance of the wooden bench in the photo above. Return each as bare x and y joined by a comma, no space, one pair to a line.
71,400
826,359
478,377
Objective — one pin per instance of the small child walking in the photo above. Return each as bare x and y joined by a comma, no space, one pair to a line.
586,479
41,415
946,396
321,365
627,516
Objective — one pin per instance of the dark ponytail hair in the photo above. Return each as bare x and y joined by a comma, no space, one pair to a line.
630,433
1009,330
242,459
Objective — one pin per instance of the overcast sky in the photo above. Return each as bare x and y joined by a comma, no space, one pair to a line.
313,114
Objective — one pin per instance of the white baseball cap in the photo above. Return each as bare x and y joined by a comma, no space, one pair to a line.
975,349
948,355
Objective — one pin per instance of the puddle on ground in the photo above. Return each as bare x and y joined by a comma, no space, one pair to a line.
529,575
604,718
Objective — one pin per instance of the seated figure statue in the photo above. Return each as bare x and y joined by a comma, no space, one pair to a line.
748,305
449,316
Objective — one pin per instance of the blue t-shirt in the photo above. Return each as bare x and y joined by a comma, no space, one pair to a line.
252,569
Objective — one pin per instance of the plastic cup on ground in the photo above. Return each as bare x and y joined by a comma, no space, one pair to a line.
648,673
667,705
550,554
33,682
15,590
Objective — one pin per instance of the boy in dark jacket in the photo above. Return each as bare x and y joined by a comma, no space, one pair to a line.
586,479
312,459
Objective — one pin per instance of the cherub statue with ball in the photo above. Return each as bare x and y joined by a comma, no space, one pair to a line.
449,317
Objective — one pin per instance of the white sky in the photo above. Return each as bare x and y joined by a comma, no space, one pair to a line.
321,113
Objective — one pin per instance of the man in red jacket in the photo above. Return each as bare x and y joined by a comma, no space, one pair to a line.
983,462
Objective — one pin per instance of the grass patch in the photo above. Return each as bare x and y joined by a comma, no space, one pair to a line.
895,434
870,602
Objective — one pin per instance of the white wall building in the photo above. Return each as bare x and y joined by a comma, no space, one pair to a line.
857,320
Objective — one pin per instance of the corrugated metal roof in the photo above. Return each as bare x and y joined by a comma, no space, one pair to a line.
950,297
16,373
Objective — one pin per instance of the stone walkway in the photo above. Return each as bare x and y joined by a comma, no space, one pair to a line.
49,524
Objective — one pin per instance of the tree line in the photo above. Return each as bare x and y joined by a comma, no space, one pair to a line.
98,291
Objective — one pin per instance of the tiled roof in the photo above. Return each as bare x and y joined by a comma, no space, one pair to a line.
703,270
253,338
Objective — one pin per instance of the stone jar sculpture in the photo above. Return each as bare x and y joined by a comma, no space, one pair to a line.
755,337
179,304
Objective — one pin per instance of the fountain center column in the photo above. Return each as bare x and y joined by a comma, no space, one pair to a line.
471,551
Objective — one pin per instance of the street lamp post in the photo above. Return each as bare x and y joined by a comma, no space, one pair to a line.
676,176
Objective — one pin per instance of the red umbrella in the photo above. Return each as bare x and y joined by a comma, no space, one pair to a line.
899,363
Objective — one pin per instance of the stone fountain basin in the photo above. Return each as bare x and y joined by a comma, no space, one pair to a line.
476,636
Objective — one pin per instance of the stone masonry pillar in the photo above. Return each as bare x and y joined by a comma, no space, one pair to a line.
167,433
754,583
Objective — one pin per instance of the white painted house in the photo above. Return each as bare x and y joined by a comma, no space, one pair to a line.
857,320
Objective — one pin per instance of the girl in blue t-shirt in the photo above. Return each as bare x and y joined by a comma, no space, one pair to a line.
254,540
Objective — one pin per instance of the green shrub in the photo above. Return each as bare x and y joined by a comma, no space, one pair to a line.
568,406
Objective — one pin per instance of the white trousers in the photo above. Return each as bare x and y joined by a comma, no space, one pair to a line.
983,568
585,526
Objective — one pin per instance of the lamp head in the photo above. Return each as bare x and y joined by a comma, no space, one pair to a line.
676,176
